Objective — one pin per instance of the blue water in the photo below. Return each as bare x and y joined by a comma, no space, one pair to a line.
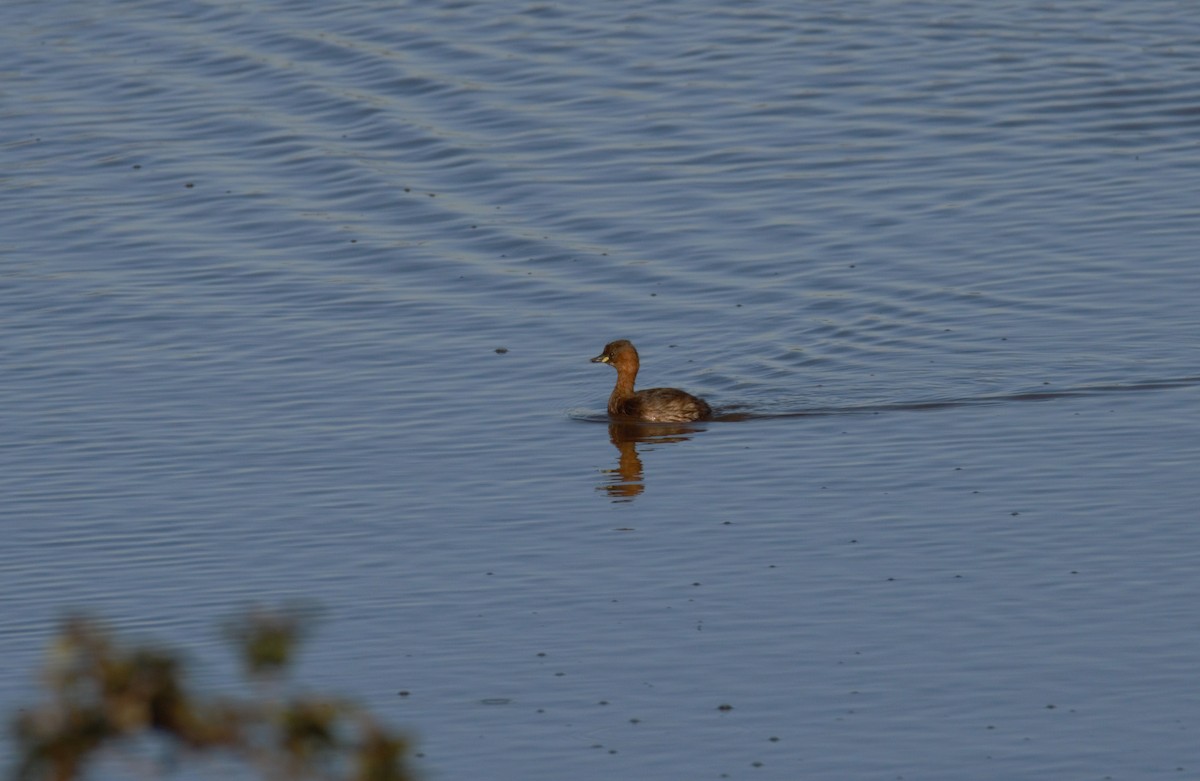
297,301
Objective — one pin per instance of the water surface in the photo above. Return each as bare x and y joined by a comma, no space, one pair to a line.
298,300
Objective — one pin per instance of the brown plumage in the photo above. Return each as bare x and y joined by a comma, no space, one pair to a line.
658,405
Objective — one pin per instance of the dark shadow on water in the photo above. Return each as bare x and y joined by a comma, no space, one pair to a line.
733,414
627,481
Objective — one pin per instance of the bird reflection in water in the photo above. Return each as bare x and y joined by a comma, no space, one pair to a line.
627,481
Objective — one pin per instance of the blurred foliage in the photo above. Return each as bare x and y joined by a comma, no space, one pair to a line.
106,697
267,639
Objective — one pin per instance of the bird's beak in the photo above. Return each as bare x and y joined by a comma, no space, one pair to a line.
600,359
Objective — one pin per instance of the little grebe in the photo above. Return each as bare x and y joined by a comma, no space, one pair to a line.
658,405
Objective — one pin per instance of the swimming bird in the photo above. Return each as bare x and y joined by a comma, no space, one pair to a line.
656,405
